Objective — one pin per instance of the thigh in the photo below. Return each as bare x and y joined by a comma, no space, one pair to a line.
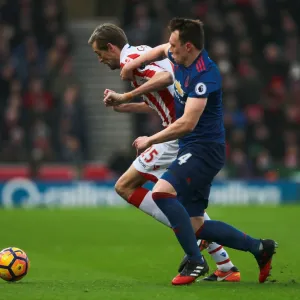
131,179
192,173
163,186
153,162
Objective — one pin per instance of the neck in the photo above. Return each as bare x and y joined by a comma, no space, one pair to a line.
191,58
118,51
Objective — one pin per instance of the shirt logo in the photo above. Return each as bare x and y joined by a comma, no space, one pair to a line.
200,89
178,88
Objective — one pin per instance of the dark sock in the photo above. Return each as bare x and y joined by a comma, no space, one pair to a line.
229,236
181,224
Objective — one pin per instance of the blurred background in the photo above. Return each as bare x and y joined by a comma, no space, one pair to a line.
54,126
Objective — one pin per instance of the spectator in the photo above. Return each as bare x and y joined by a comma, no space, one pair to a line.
37,100
255,46
71,128
35,71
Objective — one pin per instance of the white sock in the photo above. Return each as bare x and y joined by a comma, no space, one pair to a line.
142,199
149,207
219,254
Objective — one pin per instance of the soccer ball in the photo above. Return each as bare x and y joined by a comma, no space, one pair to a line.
14,264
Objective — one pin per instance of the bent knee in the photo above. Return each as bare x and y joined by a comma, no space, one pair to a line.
120,187
125,186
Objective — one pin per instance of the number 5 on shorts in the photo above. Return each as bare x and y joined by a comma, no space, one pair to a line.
184,158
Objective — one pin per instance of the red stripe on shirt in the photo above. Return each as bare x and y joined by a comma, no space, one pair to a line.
133,56
202,63
168,99
158,106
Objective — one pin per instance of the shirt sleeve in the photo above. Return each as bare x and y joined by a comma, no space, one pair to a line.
147,71
204,84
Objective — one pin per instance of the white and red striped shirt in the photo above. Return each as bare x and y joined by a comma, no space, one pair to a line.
162,101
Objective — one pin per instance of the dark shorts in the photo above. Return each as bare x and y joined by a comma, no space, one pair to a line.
192,173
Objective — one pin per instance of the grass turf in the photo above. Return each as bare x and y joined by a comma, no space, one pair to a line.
120,253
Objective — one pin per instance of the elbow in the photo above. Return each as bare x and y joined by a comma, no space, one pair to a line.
188,127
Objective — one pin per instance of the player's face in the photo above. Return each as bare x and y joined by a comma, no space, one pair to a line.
178,50
108,57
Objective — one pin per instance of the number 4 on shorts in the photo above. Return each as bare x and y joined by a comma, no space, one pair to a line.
184,158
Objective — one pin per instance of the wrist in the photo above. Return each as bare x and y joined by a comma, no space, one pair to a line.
127,96
151,140
137,63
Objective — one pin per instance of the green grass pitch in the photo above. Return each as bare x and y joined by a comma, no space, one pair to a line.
121,253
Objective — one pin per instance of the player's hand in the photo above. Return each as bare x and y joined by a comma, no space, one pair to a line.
127,72
142,143
112,98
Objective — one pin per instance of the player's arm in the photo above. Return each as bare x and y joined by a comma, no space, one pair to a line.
133,108
158,82
155,54
193,110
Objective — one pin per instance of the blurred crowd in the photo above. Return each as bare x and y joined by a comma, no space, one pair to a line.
40,106
254,42
256,46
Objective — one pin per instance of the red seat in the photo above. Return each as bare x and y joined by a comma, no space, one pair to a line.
96,172
57,173
8,172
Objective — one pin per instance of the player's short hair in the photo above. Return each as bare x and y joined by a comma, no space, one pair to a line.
108,33
189,31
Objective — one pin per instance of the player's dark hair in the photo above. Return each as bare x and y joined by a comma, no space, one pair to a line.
189,31
108,33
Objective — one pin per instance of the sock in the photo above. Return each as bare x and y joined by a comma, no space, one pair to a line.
229,236
181,224
219,254
142,199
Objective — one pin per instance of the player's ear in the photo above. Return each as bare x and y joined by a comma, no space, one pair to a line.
110,46
188,46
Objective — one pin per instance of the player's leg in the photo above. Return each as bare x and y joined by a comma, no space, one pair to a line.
223,233
205,161
129,187
226,271
218,253
227,235
166,199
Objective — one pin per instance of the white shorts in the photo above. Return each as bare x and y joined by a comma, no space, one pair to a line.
154,161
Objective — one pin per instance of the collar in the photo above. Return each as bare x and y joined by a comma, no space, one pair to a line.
123,51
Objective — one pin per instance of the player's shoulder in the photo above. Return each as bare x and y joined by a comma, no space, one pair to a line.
130,52
204,66
205,76
204,69
134,51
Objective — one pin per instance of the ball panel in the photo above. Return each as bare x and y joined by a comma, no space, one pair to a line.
17,250
5,274
19,267
22,255
6,258
5,249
